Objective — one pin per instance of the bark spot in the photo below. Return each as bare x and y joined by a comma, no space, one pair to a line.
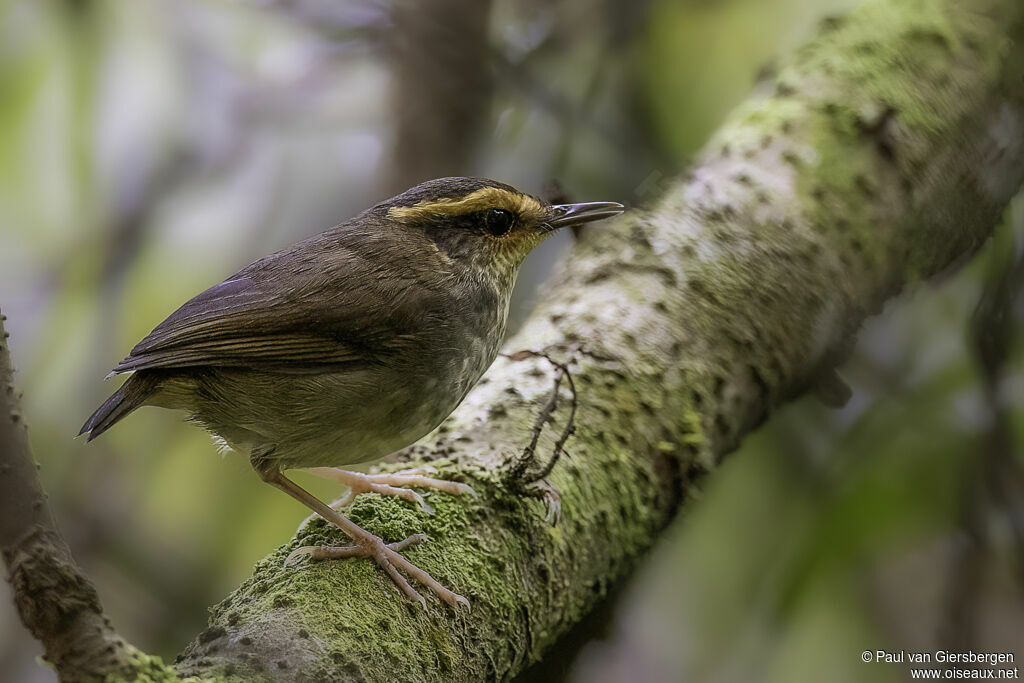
784,89
212,633
865,186
831,23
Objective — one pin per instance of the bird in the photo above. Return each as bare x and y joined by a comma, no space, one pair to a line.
349,346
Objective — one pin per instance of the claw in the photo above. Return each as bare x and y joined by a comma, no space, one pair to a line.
307,550
422,503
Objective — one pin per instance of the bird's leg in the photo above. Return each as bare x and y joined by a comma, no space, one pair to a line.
366,544
390,484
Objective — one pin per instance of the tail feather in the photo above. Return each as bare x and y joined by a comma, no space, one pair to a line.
130,396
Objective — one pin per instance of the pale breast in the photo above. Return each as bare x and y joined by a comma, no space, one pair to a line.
361,416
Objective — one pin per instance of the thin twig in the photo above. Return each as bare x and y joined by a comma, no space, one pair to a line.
996,482
518,472
569,428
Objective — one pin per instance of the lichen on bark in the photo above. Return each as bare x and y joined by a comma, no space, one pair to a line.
872,161
881,154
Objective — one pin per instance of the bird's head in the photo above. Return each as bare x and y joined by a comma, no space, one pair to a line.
485,225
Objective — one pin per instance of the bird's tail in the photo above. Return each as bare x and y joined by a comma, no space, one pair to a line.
130,396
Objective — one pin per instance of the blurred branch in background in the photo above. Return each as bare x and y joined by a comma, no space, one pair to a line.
993,495
441,87
596,102
56,601
134,131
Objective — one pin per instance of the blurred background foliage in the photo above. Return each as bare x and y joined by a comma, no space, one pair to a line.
150,148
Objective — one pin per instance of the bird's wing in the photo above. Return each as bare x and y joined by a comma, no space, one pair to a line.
305,319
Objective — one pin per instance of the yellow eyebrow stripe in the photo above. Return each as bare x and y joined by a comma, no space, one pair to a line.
484,198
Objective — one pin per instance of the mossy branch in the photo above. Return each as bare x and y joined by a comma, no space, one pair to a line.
883,153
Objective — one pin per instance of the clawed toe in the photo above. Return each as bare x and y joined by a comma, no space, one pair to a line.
398,492
366,545
389,559
341,552
398,484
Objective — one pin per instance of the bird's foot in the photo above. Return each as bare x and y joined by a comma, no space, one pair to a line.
391,484
388,557
366,544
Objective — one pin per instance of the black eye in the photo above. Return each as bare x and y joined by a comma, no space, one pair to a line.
498,221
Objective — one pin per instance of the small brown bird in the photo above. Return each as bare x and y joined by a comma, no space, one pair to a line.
350,345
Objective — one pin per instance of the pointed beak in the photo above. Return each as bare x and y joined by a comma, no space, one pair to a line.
566,215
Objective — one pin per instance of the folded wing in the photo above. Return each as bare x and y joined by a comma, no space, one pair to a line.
306,321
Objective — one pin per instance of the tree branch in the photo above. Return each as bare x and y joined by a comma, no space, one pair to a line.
56,601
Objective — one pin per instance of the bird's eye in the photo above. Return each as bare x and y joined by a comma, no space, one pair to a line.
498,221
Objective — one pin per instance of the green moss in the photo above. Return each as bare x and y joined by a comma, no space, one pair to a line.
694,429
872,97
896,52
452,555
752,121
144,668
713,354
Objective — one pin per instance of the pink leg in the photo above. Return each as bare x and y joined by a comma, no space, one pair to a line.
366,545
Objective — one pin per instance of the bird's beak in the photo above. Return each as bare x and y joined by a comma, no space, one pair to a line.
566,215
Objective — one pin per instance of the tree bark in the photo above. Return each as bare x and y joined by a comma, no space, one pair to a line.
883,153
55,600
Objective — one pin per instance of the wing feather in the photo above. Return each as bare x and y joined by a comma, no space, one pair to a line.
309,318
